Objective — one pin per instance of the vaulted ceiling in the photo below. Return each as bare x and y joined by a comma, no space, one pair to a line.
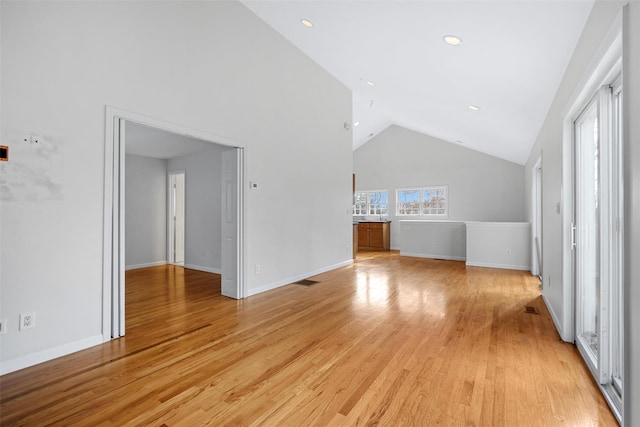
393,56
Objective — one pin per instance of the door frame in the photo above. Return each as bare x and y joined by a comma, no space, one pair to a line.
113,320
171,229
596,359
598,74
536,218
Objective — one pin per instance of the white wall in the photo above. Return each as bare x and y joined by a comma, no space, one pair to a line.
499,245
212,66
631,72
549,145
481,187
433,239
203,234
145,211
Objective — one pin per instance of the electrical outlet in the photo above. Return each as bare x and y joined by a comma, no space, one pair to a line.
257,269
27,320
3,326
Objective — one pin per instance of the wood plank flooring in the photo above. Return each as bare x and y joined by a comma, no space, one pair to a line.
387,341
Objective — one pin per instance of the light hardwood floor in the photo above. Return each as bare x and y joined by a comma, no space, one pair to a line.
388,341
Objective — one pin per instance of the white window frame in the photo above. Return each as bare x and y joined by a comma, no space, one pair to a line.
421,201
369,205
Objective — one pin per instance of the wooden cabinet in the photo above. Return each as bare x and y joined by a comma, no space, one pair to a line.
363,235
374,235
355,240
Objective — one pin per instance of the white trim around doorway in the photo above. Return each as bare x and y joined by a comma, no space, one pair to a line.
113,226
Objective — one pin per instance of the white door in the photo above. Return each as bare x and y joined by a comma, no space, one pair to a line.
176,217
232,166
589,321
598,237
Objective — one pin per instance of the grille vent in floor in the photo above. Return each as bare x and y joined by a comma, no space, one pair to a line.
306,282
530,309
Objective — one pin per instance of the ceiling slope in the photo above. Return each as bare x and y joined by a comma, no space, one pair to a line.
510,63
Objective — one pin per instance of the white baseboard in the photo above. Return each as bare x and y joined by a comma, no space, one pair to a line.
32,359
433,256
145,265
494,265
274,285
554,318
205,269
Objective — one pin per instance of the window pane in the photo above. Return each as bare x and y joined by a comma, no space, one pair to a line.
408,202
360,205
378,203
434,201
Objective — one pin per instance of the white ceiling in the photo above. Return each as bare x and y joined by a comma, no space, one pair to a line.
146,141
510,63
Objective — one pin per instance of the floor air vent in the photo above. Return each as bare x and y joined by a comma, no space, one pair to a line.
306,282
530,309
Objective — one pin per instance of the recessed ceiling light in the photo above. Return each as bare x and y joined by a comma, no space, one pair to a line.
356,124
452,40
306,23
474,107
370,83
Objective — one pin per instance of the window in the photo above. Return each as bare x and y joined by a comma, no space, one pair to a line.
408,202
371,203
427,201
434,201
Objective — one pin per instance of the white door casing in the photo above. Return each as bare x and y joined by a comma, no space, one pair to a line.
113,316
536,219
232,165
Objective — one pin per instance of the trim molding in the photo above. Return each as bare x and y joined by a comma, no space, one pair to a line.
503,266
555,319
32,359
432,256
290,280
147,264
205,269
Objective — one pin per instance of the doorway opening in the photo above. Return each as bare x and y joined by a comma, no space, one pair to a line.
593,222
231,212
598,240
175,220
536,223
